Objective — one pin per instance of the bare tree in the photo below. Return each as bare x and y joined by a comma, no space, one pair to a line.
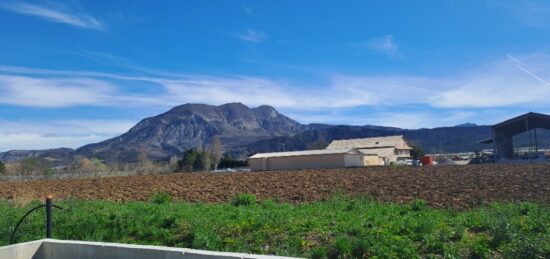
217,151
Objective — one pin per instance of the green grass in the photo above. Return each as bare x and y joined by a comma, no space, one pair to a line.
340,227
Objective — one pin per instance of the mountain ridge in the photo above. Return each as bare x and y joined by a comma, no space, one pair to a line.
243,130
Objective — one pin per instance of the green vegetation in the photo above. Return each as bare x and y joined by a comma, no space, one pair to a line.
159,197
196,160
3,169
203,159
32,165
340,227
229,162
416,151
244,199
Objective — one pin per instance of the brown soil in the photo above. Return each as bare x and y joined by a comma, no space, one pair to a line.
442,186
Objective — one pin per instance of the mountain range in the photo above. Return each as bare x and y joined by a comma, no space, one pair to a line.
243,130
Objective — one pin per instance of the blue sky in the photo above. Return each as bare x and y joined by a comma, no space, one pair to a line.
77,72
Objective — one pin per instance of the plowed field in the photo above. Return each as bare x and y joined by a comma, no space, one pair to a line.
442,186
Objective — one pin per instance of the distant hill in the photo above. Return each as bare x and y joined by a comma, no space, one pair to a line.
468,124
193,125
437,140
243,130
56,156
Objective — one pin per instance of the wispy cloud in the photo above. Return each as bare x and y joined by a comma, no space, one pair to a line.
250,35
49,92
513,83
498,84
55,13
385,44
21,134
490,85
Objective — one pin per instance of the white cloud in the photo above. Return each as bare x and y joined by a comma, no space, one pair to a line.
58,14
511,84
384,44
50,92
25,141
250,35
502,83
24,134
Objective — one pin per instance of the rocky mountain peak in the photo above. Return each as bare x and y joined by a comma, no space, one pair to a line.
266,111
191,126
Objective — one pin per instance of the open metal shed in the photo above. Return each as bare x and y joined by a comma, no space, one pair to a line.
504,132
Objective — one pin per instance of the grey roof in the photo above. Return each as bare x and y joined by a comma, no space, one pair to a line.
307,153
524,123
377,142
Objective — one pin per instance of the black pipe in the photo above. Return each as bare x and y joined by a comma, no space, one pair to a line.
49,205
21,220
49,217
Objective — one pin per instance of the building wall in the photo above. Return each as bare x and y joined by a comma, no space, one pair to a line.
372,160
402,154
305,162
256,164
353,160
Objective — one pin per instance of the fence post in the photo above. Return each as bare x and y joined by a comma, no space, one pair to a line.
49,216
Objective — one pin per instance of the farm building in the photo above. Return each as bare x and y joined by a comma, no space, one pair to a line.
323,158
503,133
339,154
377,151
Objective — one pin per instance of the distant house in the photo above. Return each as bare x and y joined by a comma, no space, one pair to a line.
378,150
309,159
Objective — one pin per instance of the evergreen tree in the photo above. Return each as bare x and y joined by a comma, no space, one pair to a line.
3,169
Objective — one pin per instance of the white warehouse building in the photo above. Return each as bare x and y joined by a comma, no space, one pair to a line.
339,154
309,159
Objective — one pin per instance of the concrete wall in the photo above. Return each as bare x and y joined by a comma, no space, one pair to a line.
21,251
61,249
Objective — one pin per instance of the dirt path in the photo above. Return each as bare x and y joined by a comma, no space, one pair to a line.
442,186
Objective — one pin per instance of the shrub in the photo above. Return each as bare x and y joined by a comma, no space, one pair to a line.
3,169
360,248
479,246
196,160
342,248
229,162
418,204
319,253
182,235
160,197
244,199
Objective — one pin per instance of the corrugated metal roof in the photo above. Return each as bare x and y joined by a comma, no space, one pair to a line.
381,152
307,153
378,142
